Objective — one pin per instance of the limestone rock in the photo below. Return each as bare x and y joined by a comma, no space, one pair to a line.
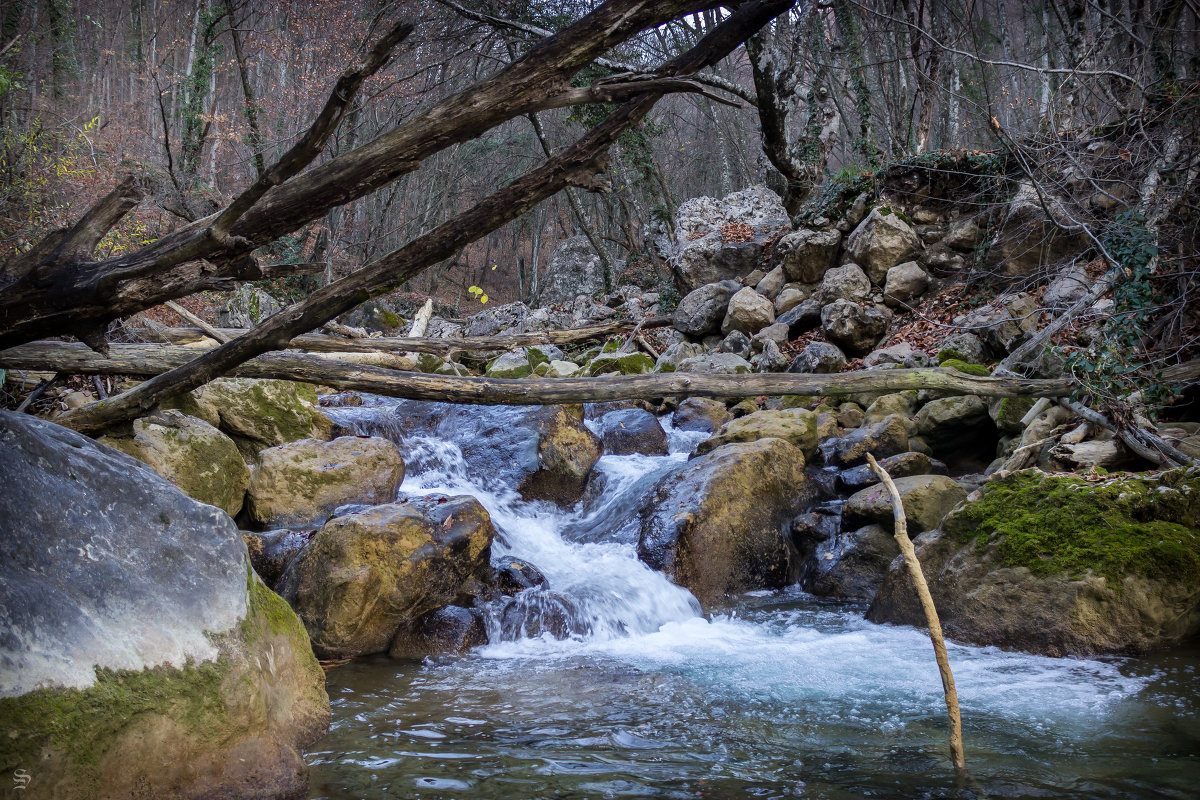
1071,283
847,282
136,639
802,318
574,269
904,283
796,426
789,298
771,359
880,242
808,254
950,419
701,253
854,327
1032,233
901,465
748,312
902,354
1006,322
300,482
963,346
819,357
737,343
926,499
716,364
700,414
703,309
881,439
901,403
715,525
203,462
248,307
963,235
771,284
366,574
669,359
635,363
632,430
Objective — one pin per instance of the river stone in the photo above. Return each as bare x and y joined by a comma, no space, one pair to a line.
301,482
366,574
716,524
950,419
203,462
139,655
851,565
1059,565
716,364
819,357
880,242
632,430
516,575
702,310
808,254
257,413
854,327
901,465
748,312
926,500
847,282
887,437
574,269
796,426
904,283
700,414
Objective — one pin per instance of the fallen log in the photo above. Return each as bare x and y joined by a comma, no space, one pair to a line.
445,348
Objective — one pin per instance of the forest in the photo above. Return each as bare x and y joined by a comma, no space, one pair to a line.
532,398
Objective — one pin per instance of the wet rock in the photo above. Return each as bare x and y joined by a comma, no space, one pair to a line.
854,327
926,498
1058,565
748,312
701,253
901,465
880,242
574,269
542,613
632,431
702,310
808,254
272,551
716,364
847,282
301,482
203,462
887,437
820,358
516,575
852,564
904,284
452,630
257,413
365,575
716,524
796,426
135,638
700,414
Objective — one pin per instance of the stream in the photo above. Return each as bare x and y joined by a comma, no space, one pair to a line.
780,695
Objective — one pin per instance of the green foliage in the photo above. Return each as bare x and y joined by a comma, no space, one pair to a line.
1055,524
979,370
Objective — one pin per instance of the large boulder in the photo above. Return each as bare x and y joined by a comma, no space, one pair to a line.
574,269
904,283
496,320
888,437
847,282
1037,229
139,654
1006,322
808,254
203,462
632,430
365,575
299,483
1060,565
702,310
926,500
951,420
748,312
880,242
796,426
715,525
257,413
854,327
545,451
821,358
724,239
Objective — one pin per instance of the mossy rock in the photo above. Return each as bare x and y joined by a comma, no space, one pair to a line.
978,370
513,364
621,363
795,426
1007,412
428,362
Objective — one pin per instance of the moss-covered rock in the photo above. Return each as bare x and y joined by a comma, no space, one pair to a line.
1061,565
1007,412
796,426
621,364
365,575
979,370
257,413
716,525
513,364
301,482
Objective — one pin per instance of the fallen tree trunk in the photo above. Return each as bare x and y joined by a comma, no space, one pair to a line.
446,348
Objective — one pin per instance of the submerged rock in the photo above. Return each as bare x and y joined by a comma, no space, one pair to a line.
716,525
851,564
365,575
452,630
632,430
141,656
301,482
1058,565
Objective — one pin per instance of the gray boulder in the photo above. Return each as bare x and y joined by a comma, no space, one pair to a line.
574,269
904,283
819,357
854,327
847,282
248,307
748,312
1071,283
808,254
632,430
802,318
716,364
1036,231
880,242
703,254
926,499
702,310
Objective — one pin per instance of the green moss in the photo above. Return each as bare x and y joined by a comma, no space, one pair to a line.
1011,411
268,612
1056,524
962,366
799,400
623,363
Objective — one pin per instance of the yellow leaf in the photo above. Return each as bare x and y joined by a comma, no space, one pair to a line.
483,299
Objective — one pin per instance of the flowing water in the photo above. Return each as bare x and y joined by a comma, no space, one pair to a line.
782,695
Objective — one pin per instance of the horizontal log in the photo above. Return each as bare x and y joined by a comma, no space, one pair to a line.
146,360
439,347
